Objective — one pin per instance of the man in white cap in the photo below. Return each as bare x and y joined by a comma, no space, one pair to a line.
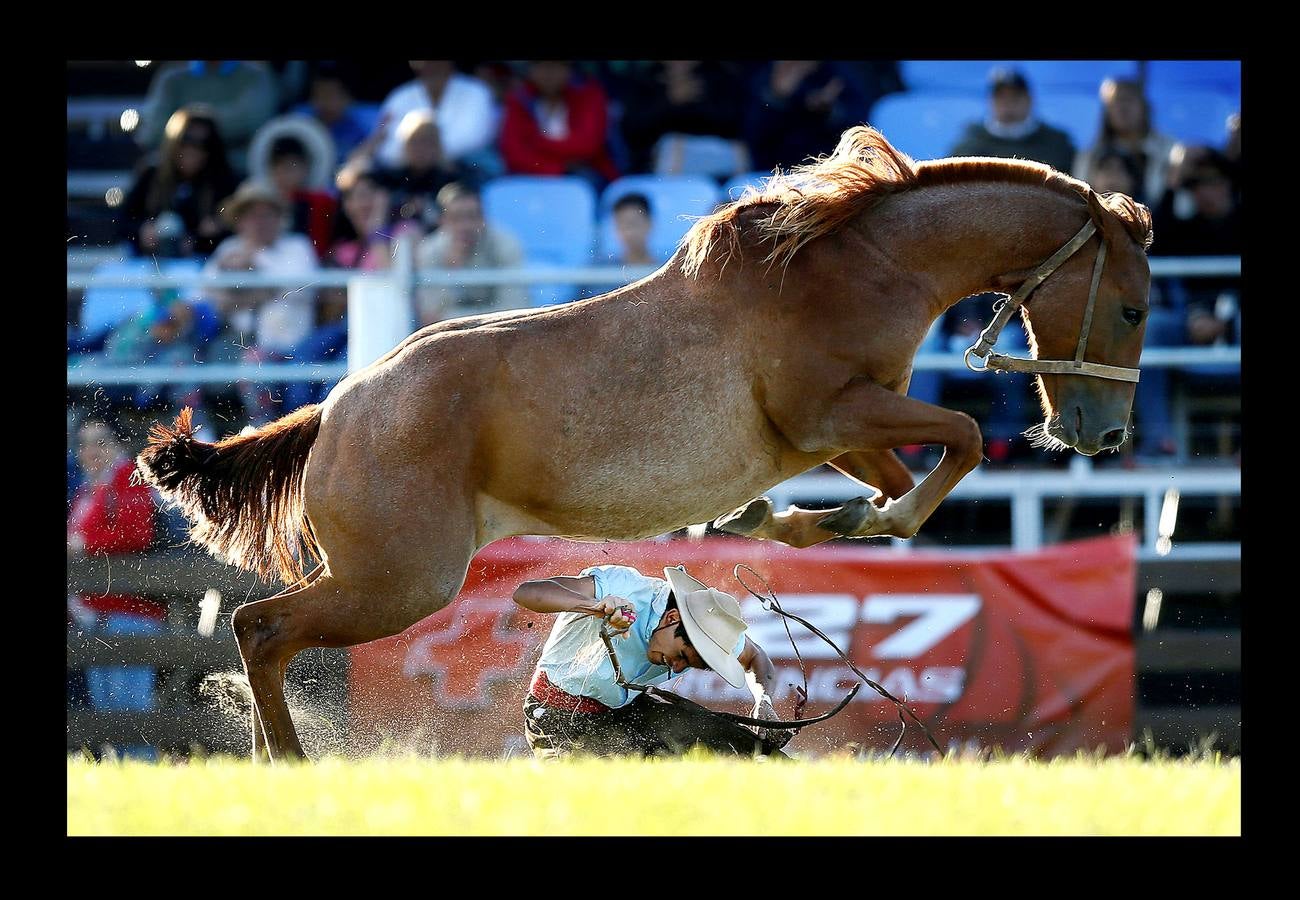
665,626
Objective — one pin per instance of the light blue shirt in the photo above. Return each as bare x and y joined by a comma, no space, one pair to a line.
574,657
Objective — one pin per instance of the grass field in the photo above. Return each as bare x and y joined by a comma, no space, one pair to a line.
695,796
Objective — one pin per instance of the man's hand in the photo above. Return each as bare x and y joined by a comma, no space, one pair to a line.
617,611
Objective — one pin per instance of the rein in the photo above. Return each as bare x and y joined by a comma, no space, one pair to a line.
771,603
982,349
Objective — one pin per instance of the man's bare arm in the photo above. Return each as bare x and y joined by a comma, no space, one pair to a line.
566,593
563,593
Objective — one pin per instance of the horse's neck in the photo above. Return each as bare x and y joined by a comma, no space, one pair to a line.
963,236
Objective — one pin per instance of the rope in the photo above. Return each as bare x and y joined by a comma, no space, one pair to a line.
771,603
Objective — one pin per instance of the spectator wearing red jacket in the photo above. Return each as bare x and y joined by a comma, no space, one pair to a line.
311,212
556,123
110,516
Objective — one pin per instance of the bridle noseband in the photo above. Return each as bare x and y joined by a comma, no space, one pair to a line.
983,348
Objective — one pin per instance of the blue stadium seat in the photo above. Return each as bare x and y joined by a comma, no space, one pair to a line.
673,200
368,115
1193,115
552,216
130,688
733,188
954,75
971,75
1074,74
181,266
1220,74
700,154
1076,113
103,308
923,125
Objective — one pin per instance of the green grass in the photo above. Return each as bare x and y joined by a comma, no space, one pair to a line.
696,795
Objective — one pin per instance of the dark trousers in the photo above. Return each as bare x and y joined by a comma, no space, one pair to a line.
663,725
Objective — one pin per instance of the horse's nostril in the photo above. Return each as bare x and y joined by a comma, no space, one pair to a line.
1113,438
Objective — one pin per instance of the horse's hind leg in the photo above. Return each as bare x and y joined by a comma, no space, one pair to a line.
259,738
332,612
878,469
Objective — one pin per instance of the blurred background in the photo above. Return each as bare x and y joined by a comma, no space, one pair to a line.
240,234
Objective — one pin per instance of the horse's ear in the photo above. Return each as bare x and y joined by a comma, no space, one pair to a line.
1101,215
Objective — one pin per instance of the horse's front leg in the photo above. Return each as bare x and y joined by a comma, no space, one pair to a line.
867,416
880,470
872,419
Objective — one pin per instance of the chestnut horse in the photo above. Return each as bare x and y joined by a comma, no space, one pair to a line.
780,336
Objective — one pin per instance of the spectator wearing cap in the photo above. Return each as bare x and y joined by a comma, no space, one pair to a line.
172,208
556,123
464,240
243,96
330,102
461,107
1012,130
1126,126
311,212
268,322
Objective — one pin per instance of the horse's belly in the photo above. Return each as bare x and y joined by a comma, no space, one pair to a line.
673,478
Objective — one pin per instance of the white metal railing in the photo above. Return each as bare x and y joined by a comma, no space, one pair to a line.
93,373
404,278
1026,491
81,374
1196,267
342,277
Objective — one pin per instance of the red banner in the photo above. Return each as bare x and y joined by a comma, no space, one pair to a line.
1023,651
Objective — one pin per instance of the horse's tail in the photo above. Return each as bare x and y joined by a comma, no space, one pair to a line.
243,494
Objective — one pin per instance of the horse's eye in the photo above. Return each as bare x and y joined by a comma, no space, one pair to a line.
1132,316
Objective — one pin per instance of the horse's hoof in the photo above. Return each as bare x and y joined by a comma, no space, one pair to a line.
747,518
851,519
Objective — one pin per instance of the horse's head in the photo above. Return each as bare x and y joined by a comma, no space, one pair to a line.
1090,411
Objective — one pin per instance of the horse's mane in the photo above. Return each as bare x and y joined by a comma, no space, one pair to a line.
818,198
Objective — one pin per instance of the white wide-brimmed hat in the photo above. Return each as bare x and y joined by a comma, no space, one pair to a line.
247,194
713,623
315,139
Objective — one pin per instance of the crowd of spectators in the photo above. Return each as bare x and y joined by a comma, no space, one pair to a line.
247,166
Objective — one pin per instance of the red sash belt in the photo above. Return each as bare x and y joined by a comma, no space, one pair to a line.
549,694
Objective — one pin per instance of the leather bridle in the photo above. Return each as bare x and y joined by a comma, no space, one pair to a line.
983,348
